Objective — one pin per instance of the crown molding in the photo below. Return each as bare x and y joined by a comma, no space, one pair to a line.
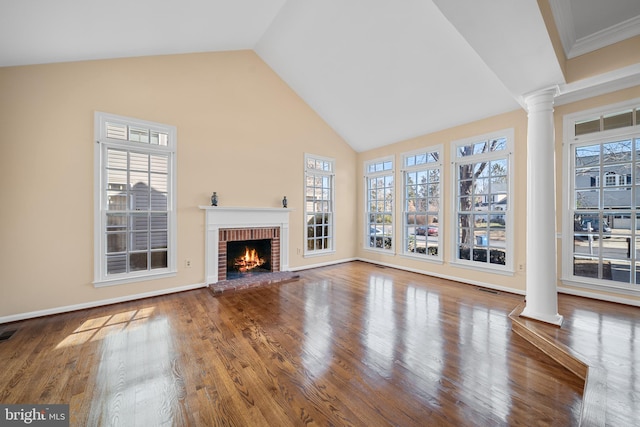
608,36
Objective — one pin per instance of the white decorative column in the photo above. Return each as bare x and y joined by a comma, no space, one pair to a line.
542,256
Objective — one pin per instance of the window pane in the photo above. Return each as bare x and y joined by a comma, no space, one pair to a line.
618,120
159,259
138,261
158,201
617,198
586,267
497,256
499,144
497,236
465,187
616,247
116,131
116,264
588,155
116,222
465,252
587,199
117,179
616,270
158,221
481,186
615,152
138,134
159,240
587,126
139,241
587,177
158,164
464,204
116,242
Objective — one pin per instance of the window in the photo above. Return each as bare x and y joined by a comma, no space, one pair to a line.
379,193
422,207
134,200
483,172
601,248
319,177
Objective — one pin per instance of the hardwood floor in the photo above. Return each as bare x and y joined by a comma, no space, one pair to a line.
352,344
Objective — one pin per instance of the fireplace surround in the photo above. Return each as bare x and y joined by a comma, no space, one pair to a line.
224,224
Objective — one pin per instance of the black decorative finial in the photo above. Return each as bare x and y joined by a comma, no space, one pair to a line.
284,202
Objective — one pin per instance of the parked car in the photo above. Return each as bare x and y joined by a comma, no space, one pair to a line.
430,231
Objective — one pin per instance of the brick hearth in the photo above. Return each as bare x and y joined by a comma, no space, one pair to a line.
250,282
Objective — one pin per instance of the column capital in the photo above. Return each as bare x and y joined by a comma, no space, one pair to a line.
542,99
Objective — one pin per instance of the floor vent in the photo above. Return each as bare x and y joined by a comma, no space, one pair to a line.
489,291
6,335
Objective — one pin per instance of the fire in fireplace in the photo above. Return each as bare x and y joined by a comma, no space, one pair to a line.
245,257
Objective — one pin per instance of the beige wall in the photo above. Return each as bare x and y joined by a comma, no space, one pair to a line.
241,132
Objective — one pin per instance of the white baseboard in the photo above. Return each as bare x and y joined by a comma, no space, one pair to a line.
447,277
597,296
323,264
92,304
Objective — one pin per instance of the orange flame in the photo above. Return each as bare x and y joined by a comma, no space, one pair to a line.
249,261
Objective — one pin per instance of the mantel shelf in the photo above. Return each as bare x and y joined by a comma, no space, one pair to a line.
243,209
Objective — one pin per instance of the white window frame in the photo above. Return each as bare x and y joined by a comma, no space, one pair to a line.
508,153
571,140
435,165
101,144
330,175
391,229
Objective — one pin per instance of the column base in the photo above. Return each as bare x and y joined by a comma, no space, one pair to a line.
554,319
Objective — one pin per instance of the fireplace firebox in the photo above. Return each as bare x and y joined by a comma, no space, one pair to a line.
263,243
248,258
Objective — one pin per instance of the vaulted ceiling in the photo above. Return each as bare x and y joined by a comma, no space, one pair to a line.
377,71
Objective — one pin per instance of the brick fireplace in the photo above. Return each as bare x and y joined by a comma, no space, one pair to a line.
228,224
247,235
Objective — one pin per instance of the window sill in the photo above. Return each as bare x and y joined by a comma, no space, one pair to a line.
427,258
491,270
579,282
319,253
380,251
132,279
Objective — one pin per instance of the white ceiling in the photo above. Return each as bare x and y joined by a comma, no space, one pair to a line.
377,71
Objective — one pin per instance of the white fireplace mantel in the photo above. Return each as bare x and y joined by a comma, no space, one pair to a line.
219,217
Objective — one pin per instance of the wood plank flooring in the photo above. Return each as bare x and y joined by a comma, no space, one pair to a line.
352,344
